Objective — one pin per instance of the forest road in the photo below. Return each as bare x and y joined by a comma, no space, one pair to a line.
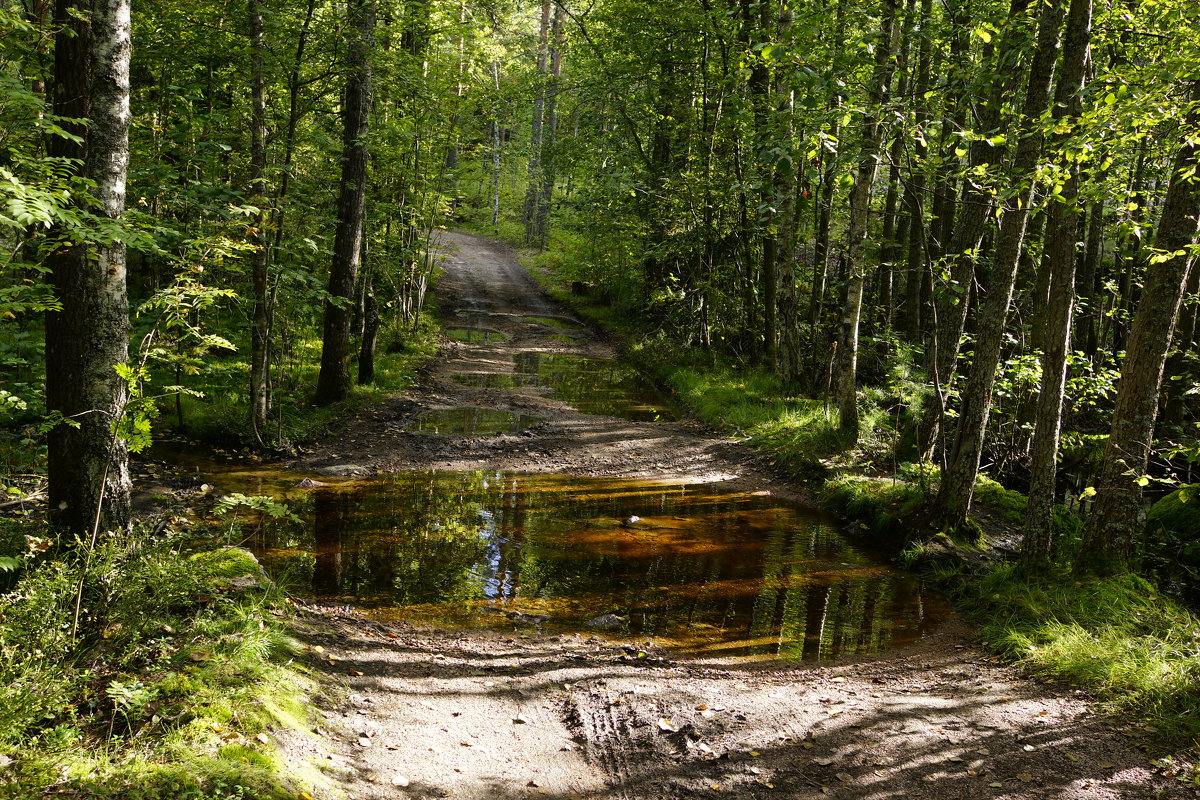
496,715
513,344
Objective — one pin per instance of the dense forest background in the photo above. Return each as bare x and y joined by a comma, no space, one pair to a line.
937,260
966,228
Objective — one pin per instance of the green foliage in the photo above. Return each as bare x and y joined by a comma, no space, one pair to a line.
168,670
889,509
1170,546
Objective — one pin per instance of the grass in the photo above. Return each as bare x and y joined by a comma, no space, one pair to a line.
1137,650
170,687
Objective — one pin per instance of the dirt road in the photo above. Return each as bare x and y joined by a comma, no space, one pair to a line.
518,714
486,292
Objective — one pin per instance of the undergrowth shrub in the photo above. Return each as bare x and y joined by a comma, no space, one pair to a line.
169,659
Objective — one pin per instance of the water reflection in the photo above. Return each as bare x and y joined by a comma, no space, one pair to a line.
697,566
590,385
475,335
471,421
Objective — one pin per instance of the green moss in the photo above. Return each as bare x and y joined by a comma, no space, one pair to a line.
227,562
1176,516
1170,548
1008,503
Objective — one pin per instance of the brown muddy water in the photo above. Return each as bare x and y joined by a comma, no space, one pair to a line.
697,568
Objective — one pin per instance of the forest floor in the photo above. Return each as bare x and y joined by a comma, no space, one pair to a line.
415,713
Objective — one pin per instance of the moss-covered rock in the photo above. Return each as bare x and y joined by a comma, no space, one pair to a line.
1170,548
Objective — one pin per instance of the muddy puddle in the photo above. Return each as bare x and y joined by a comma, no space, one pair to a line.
475,335
696,568
591,385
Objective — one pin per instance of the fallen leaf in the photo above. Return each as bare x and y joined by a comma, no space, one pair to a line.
520,719
702,707
1072,757
1028,748
1025,777
668,725
822,762
807,745
755,753
955,758
262,737
996,785
355,673
198,655
755,771
305,796
844,777
318,649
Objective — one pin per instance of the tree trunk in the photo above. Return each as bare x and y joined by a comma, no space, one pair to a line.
370,334
1109,534
958,482
962,250
1062,237
87,465
496,148
1088,289
860,199
550,133
260,326
533,186
334,377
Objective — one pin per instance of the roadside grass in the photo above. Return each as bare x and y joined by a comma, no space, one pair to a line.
171,687
1119,638
1137,651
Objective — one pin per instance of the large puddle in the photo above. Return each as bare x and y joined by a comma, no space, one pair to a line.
698,568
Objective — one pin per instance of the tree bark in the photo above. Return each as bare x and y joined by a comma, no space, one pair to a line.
260,326
1110,531
533,186
334,378
962,250
958,482
1062,238
860,198
550,133
88,465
